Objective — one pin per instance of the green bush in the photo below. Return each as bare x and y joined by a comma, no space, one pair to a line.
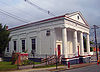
91,49
27,62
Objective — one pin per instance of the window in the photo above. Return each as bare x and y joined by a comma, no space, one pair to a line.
78,17
23,45
8,48
14,45
48,33
33,44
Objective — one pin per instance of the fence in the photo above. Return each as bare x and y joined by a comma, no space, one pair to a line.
47,59
93,58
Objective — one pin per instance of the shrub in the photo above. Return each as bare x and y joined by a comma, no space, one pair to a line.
91,49
27,62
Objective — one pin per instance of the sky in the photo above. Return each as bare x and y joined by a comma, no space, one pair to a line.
28,13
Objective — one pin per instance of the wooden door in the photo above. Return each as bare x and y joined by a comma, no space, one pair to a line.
59,52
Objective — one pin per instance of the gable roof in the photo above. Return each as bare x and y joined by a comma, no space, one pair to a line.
62,16
68,15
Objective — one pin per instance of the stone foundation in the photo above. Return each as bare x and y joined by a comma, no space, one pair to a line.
76,60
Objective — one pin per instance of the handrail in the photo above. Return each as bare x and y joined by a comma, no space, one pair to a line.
51,59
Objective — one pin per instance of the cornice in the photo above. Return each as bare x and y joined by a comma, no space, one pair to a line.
37,23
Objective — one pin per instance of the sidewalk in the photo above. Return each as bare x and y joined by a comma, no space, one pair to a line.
49,69
72,67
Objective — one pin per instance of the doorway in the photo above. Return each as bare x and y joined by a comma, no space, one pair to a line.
59,48
59,51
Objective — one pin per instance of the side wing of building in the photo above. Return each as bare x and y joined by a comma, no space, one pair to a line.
36,39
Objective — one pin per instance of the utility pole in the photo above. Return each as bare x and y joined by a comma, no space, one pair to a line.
96,27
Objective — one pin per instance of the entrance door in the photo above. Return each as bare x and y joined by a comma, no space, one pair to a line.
59,53
59,48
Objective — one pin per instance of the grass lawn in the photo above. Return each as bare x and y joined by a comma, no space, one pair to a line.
37,62
4,66
7,66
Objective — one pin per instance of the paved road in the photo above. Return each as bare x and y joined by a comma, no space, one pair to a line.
92,68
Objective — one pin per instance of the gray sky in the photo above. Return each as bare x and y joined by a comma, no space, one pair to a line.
89,8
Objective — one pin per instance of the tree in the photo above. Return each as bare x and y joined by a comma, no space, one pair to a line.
91,45
85,44
91,42
4,38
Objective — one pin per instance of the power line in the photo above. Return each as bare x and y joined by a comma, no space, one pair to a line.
16,8
13,16
46,11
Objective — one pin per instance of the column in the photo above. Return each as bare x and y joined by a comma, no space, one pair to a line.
88,44
64,42
81,45
75,43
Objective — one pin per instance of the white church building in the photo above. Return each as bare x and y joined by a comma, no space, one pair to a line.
61,35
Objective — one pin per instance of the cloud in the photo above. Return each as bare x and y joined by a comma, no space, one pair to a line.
26,11
89,8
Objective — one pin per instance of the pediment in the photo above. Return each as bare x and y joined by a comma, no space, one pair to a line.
77,16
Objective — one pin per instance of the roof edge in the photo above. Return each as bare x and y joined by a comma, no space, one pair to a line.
37,22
